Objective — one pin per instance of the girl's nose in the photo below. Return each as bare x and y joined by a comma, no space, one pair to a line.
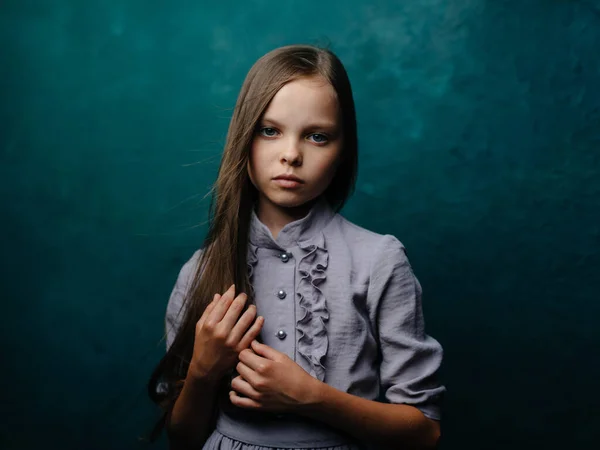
291,154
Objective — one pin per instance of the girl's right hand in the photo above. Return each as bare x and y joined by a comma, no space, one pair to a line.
220,336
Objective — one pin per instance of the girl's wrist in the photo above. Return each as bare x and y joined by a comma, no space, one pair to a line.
198,377
314,397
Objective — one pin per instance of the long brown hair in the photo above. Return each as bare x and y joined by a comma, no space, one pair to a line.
223,259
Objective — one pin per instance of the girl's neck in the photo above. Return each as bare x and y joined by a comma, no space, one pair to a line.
276,217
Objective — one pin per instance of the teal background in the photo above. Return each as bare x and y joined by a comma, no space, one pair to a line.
479,126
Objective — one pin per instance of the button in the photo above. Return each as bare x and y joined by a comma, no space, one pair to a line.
281,334
284,257
281,294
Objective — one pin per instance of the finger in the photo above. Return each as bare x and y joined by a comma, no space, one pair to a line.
222,306
241,386
248,374
242,325
233,313
243,402
208,309
252,333
252,360
265,351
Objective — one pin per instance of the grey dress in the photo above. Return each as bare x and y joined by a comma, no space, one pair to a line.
344,304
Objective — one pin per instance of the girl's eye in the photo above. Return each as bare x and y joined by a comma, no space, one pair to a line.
268,132
319,138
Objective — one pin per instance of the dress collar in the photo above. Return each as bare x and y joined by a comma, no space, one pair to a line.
301,230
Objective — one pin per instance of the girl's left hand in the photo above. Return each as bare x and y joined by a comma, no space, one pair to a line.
269,380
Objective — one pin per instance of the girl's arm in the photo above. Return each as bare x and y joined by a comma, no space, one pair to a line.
408,367
189,424
388,425
270,380
219,337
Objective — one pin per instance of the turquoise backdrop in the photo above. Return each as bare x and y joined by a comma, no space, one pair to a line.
479,126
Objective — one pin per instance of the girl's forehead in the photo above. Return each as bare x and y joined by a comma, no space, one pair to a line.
308,84
305,97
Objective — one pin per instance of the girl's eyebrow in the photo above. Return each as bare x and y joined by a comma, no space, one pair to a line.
325,125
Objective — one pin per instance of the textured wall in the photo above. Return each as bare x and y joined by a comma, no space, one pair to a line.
480,133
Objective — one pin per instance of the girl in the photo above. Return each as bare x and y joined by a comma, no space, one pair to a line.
338,357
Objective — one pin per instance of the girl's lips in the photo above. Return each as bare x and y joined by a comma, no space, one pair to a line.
287,183
288,176
288,180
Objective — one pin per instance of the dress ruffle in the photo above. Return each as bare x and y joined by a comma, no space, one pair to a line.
312,328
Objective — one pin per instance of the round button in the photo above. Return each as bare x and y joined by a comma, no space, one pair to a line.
284,257
281,334
281,294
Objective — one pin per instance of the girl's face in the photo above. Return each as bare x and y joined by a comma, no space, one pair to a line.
298,136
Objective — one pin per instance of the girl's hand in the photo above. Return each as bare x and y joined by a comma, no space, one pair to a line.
220,336
270,380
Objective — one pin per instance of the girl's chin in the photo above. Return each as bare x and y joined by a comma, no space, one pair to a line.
288,200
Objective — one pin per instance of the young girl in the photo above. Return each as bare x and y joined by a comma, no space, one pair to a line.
292,327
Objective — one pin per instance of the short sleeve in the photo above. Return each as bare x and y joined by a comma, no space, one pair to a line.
410,359
175,306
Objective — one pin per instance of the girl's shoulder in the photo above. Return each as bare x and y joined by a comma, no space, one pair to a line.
188,269
362,242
